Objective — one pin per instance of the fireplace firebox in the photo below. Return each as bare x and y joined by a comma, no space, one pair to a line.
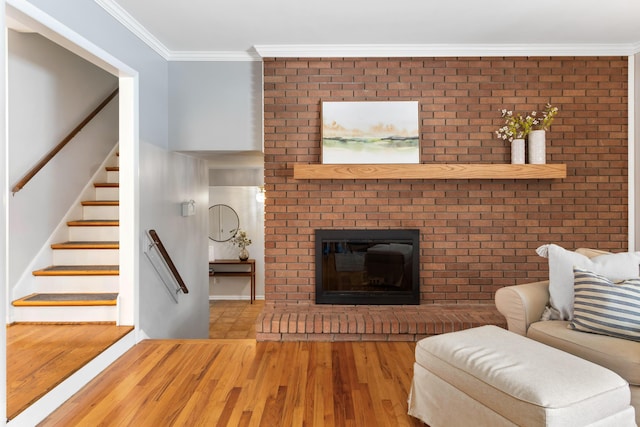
367,267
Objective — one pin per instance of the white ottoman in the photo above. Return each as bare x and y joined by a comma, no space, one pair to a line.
488,376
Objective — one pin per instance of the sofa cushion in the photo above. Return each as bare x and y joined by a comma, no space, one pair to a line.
619,355
603,307
616,267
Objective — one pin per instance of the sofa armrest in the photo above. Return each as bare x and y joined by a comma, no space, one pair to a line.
522,305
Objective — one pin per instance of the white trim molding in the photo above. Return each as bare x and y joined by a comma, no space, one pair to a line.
441,50
214,56
130,23
25,13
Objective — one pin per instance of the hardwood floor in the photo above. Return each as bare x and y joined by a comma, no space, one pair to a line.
244,383
226,381
40,356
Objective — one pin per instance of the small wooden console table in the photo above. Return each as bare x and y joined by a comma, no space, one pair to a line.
251,263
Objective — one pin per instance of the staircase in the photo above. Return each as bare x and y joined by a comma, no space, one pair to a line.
81,284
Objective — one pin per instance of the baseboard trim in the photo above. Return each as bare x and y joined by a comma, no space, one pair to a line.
234,297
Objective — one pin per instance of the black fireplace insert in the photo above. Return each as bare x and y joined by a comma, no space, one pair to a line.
368,267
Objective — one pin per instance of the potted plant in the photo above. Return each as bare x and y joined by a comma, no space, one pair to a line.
515,130
241,240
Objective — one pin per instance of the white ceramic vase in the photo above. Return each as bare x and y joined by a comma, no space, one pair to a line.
517,151
537,147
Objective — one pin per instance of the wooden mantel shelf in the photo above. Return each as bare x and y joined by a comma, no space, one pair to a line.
429,171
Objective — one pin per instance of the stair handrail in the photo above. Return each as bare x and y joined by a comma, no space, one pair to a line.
51,154
167,259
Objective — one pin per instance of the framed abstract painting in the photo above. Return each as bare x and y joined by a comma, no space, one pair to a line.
373,132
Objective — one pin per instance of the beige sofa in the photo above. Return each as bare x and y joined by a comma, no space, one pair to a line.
523,305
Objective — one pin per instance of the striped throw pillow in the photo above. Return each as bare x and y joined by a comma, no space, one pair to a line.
604,307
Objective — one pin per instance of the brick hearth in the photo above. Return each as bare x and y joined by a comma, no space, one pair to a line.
304,322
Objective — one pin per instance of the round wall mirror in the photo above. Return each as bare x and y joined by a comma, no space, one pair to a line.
223,223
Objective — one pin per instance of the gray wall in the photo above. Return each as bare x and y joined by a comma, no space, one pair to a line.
171,179
93,23
215,106
50,91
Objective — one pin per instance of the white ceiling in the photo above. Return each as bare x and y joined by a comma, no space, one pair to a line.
179,29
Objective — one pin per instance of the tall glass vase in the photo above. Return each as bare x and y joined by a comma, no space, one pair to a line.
537,147
517,151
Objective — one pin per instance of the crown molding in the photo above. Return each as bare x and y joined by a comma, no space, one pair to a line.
439,50
130,23
214,56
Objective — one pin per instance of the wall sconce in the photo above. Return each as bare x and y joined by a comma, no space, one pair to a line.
261,194
188,208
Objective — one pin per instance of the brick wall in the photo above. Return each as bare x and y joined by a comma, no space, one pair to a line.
476,235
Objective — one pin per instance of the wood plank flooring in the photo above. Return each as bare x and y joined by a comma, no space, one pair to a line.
224,382
245,383
40,356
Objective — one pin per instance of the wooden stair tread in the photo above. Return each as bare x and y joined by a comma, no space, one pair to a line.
94,223
79,270
101,203
106,184
113,168
86,245
67,299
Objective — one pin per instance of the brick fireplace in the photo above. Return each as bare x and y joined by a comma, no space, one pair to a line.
476,235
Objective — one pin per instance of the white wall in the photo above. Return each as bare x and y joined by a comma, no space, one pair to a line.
50,92
215,106
251,213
